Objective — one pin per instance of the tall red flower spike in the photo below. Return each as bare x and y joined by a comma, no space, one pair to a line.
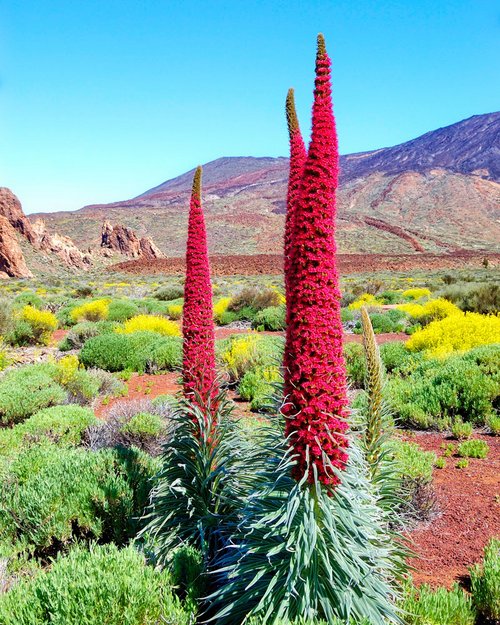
199,375
316,413
298,157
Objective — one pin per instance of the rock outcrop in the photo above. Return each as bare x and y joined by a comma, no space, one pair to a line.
11,209
125,241
12,263
61,246
35,233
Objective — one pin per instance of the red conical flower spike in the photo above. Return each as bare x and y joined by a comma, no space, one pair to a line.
197,325
297,161
317,411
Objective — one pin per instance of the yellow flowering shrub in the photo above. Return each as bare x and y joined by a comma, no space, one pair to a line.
4,359
456,333
150,323
91,311
220,307
67,368
367,299
42,323
244,352
416,293
174,311
282,298
432,310
241,356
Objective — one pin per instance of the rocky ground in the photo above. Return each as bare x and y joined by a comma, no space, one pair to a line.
272,264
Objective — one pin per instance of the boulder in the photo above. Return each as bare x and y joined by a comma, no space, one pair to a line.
12,260
125,241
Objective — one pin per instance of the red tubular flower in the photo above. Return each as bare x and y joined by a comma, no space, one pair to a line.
317,401
197,324
298,157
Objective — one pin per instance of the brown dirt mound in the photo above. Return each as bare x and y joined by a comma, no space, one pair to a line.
272,264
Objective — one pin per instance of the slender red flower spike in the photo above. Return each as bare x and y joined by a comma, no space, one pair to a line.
298,157
199,373
316,413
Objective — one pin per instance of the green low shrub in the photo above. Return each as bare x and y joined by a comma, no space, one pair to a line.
271,318
391,297
346,314
257,387
56,495
92,587
22,334
83,290
413,462
188,575
82,332
28,298
487,358
142,424
121,310
493,424
482,298
461,430
227,317
386,322
151,306
395,356
435,391
169,292
485,582
6,317
138,351
60,424
473,448
27,390
355,362
424,606
64,313
414,470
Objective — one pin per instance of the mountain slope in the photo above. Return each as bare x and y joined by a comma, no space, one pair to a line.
439,192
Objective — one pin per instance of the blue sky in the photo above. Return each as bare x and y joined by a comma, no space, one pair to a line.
103,99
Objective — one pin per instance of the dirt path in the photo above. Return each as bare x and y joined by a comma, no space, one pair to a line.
469,514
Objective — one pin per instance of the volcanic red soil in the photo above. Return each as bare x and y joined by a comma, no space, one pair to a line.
468,514
270,264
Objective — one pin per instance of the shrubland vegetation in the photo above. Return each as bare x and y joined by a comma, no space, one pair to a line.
71,481
172,509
